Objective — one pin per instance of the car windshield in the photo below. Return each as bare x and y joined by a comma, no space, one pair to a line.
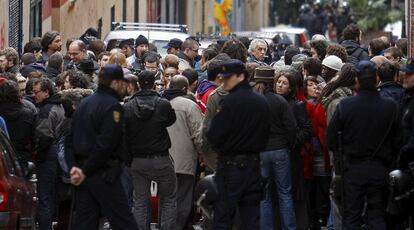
160,44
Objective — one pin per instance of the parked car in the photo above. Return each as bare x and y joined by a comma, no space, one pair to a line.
157,34
17,193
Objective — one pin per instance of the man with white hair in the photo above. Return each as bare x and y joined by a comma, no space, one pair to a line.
257,51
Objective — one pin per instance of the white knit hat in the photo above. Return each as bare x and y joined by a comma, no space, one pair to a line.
333,62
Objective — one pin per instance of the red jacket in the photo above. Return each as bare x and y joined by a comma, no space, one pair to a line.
317,116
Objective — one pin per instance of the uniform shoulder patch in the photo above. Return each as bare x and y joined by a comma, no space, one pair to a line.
117,116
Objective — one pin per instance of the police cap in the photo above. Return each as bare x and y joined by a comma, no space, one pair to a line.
112,72
232,66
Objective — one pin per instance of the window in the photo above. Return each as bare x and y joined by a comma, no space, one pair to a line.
112,16
35,18
124,10
136,11
10,155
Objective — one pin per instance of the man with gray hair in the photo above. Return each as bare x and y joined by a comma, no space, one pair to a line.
257,51
185,135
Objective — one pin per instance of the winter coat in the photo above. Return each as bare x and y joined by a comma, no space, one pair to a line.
242,124
203,92
213,106
21,125
363,127
185,62
50,117
185,135
282,123
52,73
392,90
303,134
355,52
147,117
407,113
331,101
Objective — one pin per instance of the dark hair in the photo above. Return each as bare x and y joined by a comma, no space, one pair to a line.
69,41
9,76
97,46
152,48
191,75
132,80
11,55
289,53
337,50
34,45
55,60
77,79
346,78
214,66
60,79
290,76
48,38
377,45
36,74
104,53
386,72
305,84
209,53
235,49
45,85
394,51
151,58
245,40
189,43
146,79
351,32
313,66
28,58
9,92
320,47
402,45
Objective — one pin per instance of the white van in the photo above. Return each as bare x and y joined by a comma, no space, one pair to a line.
157,34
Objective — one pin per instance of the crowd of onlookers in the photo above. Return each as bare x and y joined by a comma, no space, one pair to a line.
41,88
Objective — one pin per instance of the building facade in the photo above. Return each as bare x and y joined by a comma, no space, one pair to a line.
21,20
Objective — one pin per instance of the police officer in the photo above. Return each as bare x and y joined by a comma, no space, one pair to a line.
92,150
407,151
369,146
239,132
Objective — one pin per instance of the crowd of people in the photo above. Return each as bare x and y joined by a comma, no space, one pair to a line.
277,127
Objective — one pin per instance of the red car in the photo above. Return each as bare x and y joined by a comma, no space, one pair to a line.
17,194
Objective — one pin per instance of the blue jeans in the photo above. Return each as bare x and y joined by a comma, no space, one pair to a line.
276,165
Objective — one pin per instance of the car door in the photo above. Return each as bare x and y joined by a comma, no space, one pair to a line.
23,191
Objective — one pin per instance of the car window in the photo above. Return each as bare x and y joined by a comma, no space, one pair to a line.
12,157
7,160
160,47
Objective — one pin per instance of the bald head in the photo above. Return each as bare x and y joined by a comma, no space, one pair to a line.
179,82
77,51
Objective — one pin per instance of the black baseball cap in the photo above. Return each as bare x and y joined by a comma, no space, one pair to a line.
126,42
409,66
174,43
113,72
232,66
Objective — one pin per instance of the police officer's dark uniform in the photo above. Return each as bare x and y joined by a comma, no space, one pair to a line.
93,146
407,151
239,132
369,125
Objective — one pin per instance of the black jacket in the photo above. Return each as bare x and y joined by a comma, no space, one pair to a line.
282,123
392,90
21,125
96,134
407,151
354,51
364,121
242,124
147,117
52,73
303,123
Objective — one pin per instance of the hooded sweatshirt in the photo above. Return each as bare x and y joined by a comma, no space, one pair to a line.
203,92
